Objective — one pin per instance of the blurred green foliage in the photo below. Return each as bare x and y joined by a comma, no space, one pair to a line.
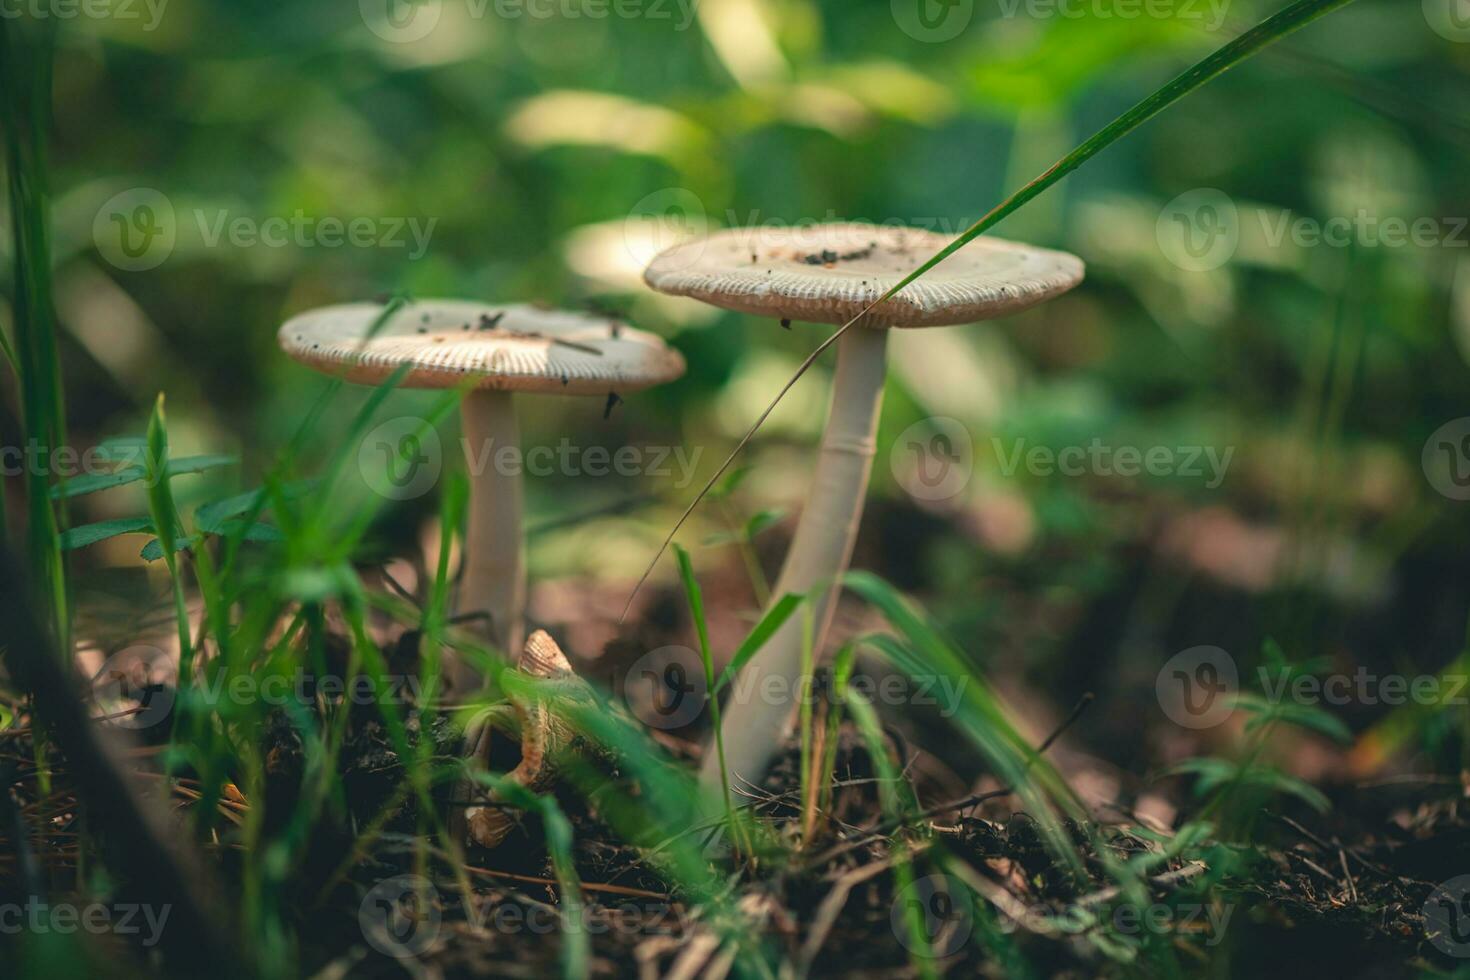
547,150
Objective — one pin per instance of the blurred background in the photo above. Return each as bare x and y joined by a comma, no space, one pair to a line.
220,166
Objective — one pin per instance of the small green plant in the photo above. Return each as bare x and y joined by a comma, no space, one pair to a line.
1234,790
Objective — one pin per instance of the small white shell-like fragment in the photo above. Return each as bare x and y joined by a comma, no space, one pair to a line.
450,343
830,273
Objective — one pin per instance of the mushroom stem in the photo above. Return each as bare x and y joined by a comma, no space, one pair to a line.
494,557
756,719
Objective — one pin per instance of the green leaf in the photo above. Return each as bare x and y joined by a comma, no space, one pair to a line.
93,482
1212,774
1272,653
773,620
153,550
260,533
80,537
1307,716
121,449
211,517
1292,786
731,481
198,464
763,521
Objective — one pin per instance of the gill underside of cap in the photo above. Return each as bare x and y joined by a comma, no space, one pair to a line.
831,273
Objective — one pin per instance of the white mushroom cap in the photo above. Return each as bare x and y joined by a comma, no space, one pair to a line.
503,348
830,273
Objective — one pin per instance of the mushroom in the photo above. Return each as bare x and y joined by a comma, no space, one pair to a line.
544,735
496,351
831,274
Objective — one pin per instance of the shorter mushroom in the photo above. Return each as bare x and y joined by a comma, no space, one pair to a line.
496,351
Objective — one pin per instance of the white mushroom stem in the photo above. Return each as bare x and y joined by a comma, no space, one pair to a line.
494,557
759,712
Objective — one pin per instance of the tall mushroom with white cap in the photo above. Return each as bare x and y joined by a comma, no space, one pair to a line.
831,274
496,351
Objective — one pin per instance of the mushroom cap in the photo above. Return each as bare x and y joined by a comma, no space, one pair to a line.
450,343
830,273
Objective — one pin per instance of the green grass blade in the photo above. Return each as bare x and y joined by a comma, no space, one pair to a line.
26,52
1269,31
977,712
696,610
165,522
898,804
773,620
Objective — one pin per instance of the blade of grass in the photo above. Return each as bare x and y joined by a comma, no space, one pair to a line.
25,111
696,610
804,707
1269,31
773,620
977,712
165,523
897,806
